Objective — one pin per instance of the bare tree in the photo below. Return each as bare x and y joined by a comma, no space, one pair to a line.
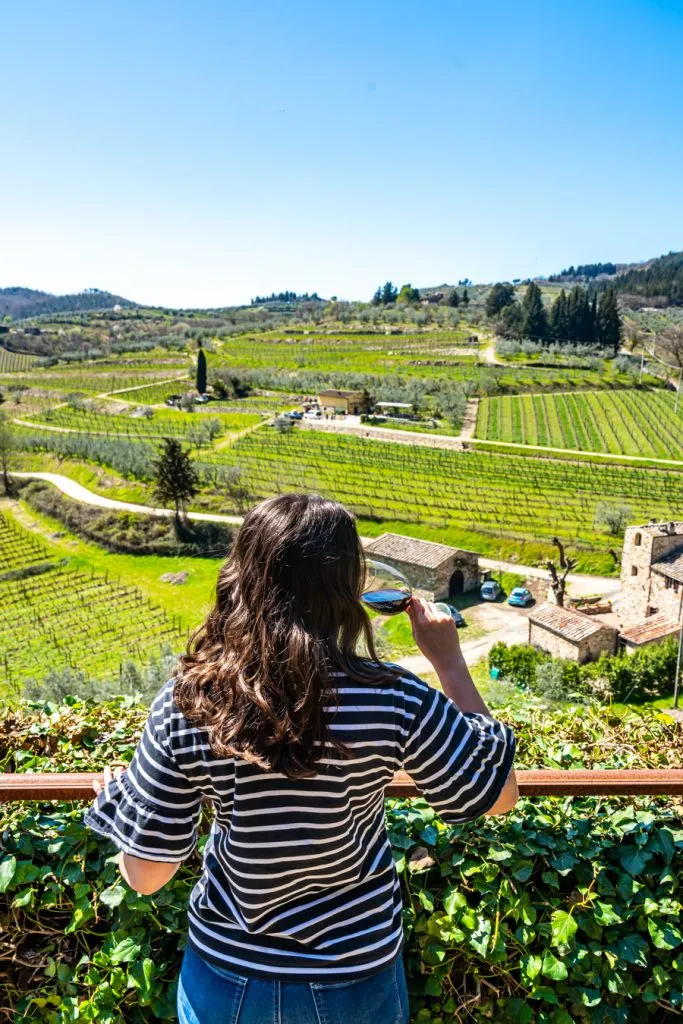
670,345
7,446
558,581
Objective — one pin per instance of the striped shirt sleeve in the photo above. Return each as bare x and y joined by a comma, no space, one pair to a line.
459,761
152,810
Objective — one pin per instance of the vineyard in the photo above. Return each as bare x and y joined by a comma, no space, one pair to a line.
432,355
12,362
138,421
623,422
475,491
53,616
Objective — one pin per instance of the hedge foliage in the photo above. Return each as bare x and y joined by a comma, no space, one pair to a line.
132,533
648,673
562,911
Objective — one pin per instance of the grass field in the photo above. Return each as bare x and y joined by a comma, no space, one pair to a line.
621,422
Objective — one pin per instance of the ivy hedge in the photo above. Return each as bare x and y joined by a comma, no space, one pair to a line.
565,910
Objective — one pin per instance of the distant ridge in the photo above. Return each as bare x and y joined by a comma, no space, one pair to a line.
27,302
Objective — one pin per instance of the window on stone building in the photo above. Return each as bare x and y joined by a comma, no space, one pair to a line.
634,570
676,586
667,583
637,539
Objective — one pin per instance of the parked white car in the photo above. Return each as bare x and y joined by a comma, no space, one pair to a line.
490,590
313,414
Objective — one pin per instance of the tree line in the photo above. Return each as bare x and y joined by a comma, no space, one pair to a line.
662,277
585,270
387,294
577,316
261,300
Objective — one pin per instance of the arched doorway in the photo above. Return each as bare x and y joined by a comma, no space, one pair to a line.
456,584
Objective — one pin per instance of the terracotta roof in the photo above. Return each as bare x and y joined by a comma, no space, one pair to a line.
656,627
568,624
424,553
333,393
671,565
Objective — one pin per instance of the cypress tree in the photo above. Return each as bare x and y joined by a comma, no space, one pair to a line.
454,299
609,322
594,317
201,370
558,318
175,477
535,322
465,299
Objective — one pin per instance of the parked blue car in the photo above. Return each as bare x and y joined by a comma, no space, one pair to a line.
520,597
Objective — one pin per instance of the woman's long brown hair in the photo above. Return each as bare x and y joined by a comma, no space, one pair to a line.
258,673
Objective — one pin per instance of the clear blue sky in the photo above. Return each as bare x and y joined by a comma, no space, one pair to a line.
201,153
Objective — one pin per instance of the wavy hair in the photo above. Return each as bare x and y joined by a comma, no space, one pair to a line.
259,673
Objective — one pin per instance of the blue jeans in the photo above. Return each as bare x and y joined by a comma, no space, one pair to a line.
209,995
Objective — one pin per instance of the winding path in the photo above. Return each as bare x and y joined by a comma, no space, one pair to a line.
78,492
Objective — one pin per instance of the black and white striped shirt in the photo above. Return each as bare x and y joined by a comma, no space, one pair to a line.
299,880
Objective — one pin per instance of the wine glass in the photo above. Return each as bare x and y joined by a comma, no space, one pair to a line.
386,590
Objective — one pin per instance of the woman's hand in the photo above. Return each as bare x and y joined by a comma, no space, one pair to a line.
109,776
435,633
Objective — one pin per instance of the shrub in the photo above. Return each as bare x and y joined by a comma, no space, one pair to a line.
645,675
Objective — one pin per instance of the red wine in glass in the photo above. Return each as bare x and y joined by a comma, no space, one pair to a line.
386,590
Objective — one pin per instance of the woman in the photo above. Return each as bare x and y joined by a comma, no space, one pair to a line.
274,718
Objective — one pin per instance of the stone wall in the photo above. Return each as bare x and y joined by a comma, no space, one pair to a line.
468,563
433,584
552,643
666,599
643,545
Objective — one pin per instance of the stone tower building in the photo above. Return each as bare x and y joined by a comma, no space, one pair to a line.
651,573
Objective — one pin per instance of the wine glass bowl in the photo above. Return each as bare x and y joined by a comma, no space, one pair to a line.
386,590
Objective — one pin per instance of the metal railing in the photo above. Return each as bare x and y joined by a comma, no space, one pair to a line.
41,786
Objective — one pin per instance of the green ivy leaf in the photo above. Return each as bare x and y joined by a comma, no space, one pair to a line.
112,896
563,928
141,976
605,914
479,938
125,950
664,934
7,868
523,870
433,986
553,968
633,949
634,860
531,965
25,898
453,901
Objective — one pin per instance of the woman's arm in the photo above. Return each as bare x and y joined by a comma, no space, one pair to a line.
437,637
144,876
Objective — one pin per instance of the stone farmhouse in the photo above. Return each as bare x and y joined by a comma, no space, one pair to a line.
434,571
649,609
565,633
